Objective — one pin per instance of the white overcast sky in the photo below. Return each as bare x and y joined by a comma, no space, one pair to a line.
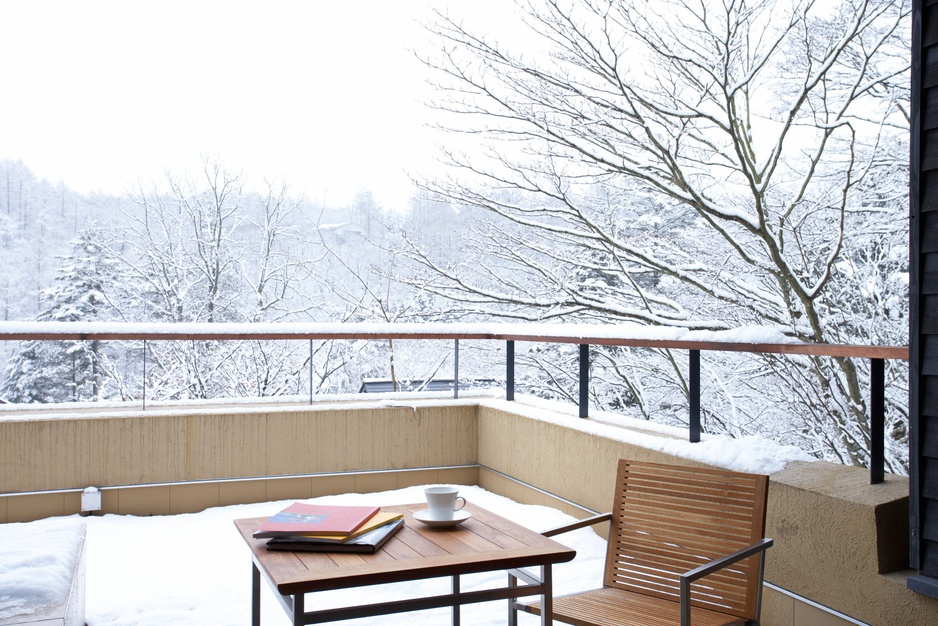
103,95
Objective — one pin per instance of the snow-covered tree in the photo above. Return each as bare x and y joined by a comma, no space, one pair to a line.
38,222
696,164
208,250
64,371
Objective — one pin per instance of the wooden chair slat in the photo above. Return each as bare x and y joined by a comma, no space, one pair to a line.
703,485
663,563
711,501
705,531
698,548
726,598
698,491
614,607
731,508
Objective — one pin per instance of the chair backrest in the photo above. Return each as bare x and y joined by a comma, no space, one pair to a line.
669,519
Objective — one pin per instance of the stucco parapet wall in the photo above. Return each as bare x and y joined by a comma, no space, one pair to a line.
46,450
834,531
838,532
841,493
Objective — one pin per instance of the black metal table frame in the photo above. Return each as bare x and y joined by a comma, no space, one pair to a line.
295,604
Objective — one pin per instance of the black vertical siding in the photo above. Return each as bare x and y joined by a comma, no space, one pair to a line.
923,296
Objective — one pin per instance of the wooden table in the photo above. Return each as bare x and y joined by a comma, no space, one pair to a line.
485,542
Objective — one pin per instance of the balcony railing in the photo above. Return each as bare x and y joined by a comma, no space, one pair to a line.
581,335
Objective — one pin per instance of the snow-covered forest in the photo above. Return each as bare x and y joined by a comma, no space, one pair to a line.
687,164
208,249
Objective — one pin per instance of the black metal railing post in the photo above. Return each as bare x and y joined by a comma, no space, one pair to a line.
143,392
510,371
584,379
694,396
877,420
456,370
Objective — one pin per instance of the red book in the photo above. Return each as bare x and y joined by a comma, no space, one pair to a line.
319,519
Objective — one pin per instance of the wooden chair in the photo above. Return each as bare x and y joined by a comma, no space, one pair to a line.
686,546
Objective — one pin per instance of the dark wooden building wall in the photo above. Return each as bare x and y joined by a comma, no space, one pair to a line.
923,298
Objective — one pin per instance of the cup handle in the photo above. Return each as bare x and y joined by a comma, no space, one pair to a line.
458,498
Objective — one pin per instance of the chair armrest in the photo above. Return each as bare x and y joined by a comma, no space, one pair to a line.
717,564
586,521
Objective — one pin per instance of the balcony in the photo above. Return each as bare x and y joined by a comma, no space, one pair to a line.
841,542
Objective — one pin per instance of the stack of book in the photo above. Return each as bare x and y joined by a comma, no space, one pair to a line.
329,528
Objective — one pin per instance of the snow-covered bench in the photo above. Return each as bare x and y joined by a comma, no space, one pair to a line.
42,573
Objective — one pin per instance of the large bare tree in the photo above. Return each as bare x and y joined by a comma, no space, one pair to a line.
704,164
209,250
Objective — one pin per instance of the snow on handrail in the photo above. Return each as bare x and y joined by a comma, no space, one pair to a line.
748,339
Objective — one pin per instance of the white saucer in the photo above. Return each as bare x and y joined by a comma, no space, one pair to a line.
458,518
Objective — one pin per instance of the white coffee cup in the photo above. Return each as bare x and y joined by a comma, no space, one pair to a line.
441,502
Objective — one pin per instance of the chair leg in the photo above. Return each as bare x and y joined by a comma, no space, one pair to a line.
512,608
547,600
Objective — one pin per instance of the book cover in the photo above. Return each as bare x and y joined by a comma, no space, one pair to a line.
378,519
319,519
368,543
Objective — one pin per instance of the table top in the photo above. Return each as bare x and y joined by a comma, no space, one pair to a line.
484,542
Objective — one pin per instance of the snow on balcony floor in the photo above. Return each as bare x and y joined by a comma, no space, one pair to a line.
196,569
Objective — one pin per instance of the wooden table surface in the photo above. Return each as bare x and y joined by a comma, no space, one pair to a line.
484,542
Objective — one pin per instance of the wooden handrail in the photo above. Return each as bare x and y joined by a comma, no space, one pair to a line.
610,335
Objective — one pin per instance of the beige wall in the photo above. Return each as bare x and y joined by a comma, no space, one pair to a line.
834,532
165,447
191,497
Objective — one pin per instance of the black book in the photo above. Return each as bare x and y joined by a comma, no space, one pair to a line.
365,544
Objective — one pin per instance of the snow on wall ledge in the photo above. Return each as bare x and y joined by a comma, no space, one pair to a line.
752,453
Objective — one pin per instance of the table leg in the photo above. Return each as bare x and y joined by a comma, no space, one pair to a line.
456,604
255,595
299,608
512,611
547,600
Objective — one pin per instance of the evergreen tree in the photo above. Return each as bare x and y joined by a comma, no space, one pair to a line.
66,371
